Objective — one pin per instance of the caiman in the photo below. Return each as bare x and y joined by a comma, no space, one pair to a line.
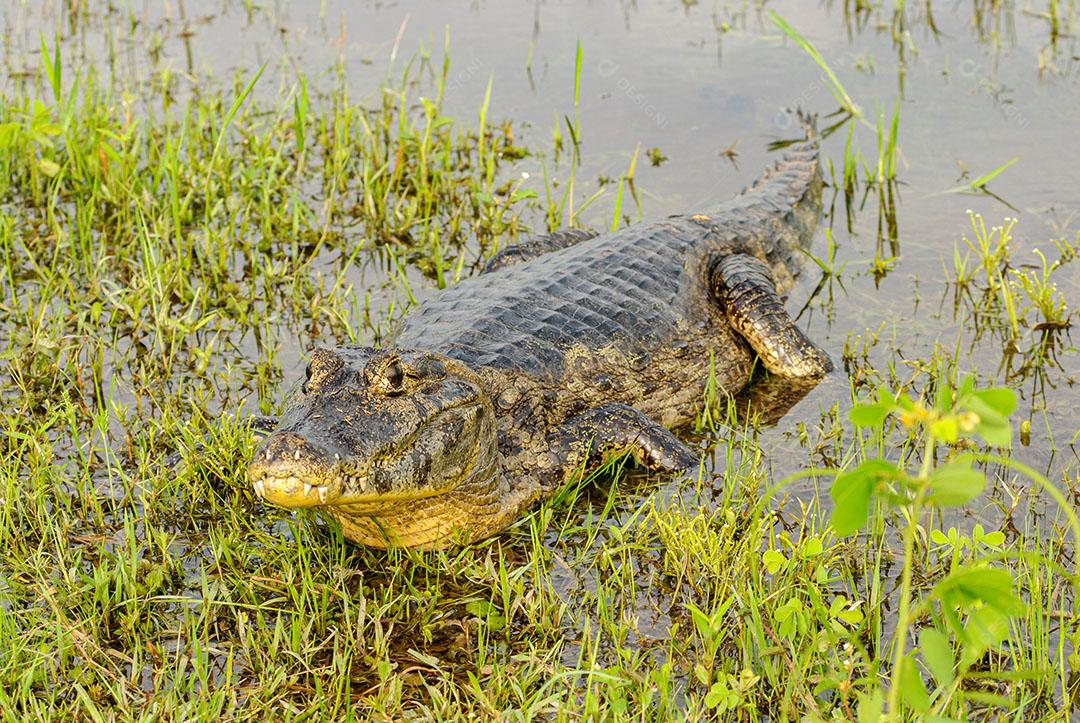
564,350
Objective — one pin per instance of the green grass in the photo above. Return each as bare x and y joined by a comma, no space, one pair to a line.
846,103
163,255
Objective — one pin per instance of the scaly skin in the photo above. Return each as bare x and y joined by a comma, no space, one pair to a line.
564,350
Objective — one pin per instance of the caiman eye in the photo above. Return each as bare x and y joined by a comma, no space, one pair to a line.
395,377
391,377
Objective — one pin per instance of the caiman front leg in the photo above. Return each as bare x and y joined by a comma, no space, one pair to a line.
744,286
590,438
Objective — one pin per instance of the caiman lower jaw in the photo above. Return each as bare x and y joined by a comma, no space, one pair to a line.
296,492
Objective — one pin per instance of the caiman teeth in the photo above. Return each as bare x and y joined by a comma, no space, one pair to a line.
270,484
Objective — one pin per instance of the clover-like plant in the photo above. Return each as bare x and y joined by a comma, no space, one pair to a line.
966,613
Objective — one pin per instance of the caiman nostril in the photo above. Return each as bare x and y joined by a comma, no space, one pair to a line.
285,454
284,446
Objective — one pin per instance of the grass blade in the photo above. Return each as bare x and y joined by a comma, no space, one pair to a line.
234,109
837,88
979,183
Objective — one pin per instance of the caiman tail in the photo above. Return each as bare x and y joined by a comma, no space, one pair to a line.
785,198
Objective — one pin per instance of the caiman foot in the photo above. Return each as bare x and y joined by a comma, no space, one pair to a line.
744,285
592,437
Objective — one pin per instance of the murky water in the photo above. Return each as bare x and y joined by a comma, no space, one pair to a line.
708,85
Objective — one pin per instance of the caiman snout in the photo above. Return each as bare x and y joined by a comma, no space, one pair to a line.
290,471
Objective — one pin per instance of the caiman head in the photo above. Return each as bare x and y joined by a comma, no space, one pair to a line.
399,446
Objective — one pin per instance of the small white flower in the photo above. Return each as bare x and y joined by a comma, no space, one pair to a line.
524,174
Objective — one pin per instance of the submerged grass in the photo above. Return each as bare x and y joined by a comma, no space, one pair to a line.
156,253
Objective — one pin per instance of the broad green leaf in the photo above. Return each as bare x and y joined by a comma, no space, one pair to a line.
870,707
702,621
773,561
956,483
851,493
905,402
869,415
986,628
785,611
487,612
854,616
990,585
715,694
790,618
992,426
996,433
885,396
851,502
912,689
986,412
1001,399
702,674
937,652
967,385
841,610
812,547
